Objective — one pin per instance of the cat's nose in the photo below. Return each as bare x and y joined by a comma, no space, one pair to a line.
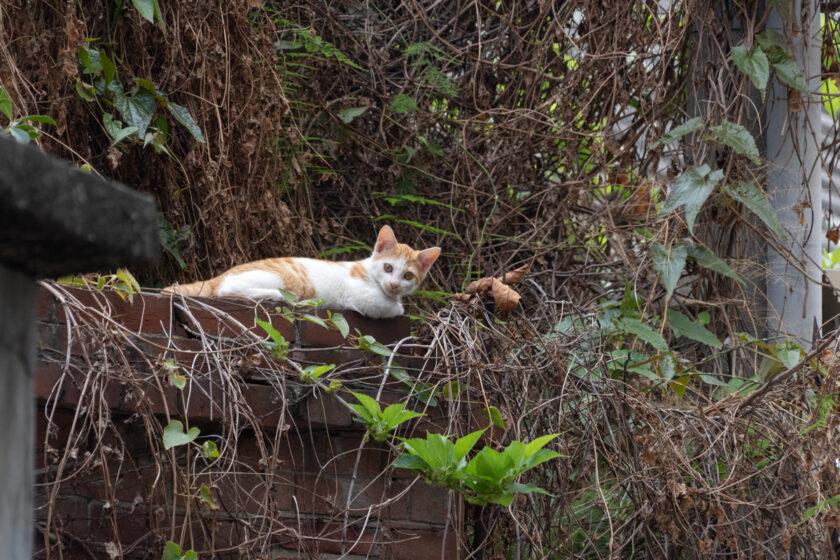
394,285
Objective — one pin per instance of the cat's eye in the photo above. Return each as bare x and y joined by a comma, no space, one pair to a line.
408,275
388,268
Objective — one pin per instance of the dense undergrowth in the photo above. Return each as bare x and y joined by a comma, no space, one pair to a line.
506,133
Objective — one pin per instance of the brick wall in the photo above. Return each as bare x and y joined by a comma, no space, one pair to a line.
290,453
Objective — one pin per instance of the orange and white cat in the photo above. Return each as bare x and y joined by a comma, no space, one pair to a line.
373,286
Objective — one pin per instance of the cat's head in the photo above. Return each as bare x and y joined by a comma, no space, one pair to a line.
397,268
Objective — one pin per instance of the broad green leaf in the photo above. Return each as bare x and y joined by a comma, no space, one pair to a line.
678,132
683,326
738,138
90,60
209,449
288,296
109,71
541,457
318,371
691,189
171,552
367,342
492,413
669,263
85,91
643,331
183,116
403,103
680,384
314,319
754,64
362,412
395,414
369,403
178,381
535,445
40,119
408,461
117,132
338,320
136,110
707,259
790,74
5,104
167,235
754,198
190,554
146,9
347,115
463,445
789,353
173,435
667,367
207,496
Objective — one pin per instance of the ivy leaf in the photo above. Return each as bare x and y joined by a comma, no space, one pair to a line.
207,497
707,259
738,138
117,132
754,64
403,103
643,331
5,104
683,326
173,435
146,9
678,132
347,115
790,74
183,116
754,198
137,110
691,189
669,264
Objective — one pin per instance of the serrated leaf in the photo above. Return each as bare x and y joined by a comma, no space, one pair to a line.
754,64
678,132
370,404
403,103
146,8
183,116
463,445
707,259
754,198
137,110
173,435
492,413
683,326
338,320
669,263
5,104
691,189
347,115
171,551
738,138
644,331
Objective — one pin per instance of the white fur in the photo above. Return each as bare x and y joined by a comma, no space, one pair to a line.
333,283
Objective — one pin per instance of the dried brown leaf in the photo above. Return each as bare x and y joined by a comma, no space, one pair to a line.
516,276
505,297
480,286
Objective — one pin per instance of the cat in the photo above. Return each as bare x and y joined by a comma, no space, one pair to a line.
373,286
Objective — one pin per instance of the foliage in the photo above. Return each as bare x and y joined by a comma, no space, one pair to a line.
380,423
23,129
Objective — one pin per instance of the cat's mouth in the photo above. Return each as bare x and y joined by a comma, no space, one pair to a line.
392,292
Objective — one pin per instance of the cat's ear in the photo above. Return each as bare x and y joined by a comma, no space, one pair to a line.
427,258
385,241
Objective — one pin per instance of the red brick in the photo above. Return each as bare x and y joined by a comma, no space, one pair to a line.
386,331
132,523
421,545
46,305
397,508
345,447
266,404
326,411
317,494
145,313
223,317
429,504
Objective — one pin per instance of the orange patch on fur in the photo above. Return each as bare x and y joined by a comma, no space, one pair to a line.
358,271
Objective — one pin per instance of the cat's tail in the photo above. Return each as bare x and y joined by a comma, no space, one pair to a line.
203,288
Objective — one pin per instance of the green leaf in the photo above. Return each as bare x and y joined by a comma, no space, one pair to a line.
146,9
183,116
790,74
669,264
463,445
370,404
137,110
403,103
171,552
707,259
413,462
738,138
19,134
683,326
5,104
209,449
643,331
40,119
678,132
173,435
85,92
789,353
754,198
754,64
338,320
367,342
178,381
90,60
207,496
535,445
691,189
493,414
347,115
314,319
109,71
288,296
167,235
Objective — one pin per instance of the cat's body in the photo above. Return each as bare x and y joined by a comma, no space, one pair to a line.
373,286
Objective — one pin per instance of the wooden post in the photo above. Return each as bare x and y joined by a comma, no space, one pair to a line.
55,220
